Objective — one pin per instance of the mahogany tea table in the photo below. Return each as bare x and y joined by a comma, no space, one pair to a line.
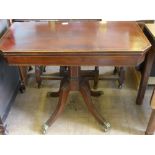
75,44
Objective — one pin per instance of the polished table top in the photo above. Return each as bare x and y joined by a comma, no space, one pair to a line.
74,44
74,37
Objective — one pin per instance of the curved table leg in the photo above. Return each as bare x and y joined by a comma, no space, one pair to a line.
56,94
85,91
64,91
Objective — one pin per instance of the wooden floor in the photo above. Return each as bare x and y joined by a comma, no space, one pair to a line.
33,108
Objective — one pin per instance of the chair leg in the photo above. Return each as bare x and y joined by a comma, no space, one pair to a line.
30,68
23,78
151,125
62,70
115,70
38,72
96,78
44,68
121,77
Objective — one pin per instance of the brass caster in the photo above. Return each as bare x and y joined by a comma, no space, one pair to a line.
44,128
3,130
106,126
6,131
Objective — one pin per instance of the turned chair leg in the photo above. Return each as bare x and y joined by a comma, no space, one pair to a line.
63,70
121,77
38,72
121,74
30,68
23,78
44,68
96,78
115,70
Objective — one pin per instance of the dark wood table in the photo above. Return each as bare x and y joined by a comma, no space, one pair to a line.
76,44
150,32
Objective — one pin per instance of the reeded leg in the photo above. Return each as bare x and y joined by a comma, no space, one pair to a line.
96,78
64,91
121,77
85,91
151,125
38,73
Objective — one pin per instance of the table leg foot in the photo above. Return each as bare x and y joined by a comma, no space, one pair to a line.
44,128
106,126
64,91
3,130
85,91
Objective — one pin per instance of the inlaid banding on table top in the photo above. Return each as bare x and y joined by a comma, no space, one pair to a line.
74,37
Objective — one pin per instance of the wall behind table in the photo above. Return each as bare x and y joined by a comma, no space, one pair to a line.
9,79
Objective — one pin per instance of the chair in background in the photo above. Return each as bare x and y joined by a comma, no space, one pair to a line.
151,125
